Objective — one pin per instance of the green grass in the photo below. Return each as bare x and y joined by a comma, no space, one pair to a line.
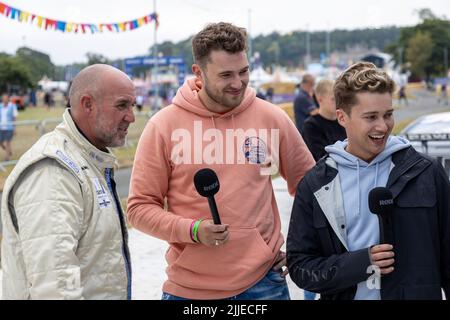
27,135
40,113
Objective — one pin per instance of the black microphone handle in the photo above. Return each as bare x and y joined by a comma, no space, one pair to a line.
382,228
388,229
214,211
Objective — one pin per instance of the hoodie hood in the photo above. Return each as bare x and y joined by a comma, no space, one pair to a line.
187,98
374,173
342,157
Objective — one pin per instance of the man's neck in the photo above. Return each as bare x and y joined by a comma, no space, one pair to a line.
307,90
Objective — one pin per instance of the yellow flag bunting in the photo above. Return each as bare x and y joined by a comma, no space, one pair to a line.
74,27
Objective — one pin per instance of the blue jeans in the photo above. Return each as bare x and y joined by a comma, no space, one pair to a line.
272,287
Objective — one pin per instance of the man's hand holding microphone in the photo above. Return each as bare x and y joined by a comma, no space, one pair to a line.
382,255
210,231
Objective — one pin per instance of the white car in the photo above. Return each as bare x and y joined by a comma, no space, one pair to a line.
430,134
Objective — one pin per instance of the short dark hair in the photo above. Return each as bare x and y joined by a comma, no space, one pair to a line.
308,78
218,36
360,77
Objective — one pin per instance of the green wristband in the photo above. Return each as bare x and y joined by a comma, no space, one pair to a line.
195,230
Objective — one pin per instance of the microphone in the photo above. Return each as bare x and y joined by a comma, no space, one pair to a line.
381,203
207,184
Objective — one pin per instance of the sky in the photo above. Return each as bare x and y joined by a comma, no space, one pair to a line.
180,19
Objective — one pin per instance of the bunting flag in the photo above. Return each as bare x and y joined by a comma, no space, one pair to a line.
75,27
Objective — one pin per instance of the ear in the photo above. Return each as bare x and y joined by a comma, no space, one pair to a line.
197,71
87,103
319,99
342,117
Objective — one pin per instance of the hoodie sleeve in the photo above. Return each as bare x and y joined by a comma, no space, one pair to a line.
148,189
295,158
309,266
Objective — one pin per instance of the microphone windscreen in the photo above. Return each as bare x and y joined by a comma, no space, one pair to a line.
206,182
381,201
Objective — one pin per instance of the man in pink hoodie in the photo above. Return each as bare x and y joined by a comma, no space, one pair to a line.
216,121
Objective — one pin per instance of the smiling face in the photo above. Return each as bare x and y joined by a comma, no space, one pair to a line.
368,125
224,77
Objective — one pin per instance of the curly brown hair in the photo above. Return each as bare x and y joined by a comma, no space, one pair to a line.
218,36
360,77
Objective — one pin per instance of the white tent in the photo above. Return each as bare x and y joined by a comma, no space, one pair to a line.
258,77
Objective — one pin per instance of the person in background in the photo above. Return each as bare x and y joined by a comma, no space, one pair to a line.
323,129
269,94
443,95
260,93
8,114
402,95
139,102
304,105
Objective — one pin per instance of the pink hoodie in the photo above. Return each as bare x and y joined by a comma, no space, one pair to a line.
239,146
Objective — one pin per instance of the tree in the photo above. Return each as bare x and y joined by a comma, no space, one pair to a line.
274,51
418,52
426,14
38,63
290,48
14,74
167,48
438,30
95,58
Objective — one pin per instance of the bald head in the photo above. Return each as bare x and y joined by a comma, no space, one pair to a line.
102,99
93,80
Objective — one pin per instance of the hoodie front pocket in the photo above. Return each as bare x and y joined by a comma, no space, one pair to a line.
237,264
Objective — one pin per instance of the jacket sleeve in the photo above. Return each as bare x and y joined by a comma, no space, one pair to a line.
148,189
294,157
443,190
309,267
48,205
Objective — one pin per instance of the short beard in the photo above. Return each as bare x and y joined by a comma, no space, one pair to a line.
222,102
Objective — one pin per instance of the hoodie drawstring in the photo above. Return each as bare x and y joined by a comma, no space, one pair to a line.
376,174
359,189
213,122
234,130
377,166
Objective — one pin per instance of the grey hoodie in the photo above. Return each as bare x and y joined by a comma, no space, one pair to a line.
357,178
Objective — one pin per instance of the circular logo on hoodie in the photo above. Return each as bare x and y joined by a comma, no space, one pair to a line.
254,150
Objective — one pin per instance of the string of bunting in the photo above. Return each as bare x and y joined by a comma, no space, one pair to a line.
74,27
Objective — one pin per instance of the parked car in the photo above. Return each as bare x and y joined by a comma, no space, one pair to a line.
430,134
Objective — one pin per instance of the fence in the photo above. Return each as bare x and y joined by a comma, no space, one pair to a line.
29,131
